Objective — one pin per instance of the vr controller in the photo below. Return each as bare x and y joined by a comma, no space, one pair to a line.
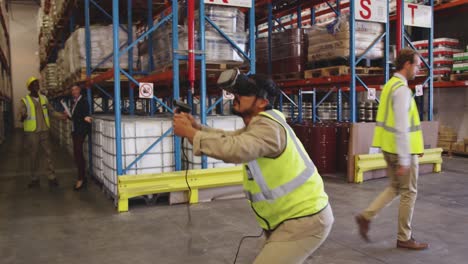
183,107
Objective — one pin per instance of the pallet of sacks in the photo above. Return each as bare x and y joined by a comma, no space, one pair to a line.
331,41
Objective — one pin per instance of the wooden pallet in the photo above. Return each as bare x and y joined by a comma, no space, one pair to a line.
340,71
441,78
459,77
288,76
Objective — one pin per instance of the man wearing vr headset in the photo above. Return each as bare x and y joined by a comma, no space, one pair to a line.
281,182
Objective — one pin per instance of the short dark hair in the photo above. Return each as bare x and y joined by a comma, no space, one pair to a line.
76,84
404,56
269,86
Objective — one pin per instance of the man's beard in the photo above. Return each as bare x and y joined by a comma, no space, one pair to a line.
245,113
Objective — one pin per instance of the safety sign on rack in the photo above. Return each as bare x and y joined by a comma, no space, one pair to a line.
371,94
371,10
146,90
227,95
419,90
418,15
239,3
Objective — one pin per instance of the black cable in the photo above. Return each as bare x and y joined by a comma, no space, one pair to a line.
186,181
242,240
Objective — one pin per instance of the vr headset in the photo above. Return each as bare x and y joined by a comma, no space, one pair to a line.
235,82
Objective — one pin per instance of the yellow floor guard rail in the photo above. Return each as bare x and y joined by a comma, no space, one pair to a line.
369,162
136,185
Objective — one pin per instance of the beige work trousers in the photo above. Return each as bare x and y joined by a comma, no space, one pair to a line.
405,186
296,239
37,149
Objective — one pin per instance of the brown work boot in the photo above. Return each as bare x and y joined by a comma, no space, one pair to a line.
363,225
412,244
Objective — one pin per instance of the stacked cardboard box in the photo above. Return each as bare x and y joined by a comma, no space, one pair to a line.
447,138
461,146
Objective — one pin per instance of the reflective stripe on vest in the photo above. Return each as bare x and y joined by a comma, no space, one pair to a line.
256,173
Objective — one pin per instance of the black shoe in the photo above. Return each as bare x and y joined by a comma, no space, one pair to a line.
53,183
34,184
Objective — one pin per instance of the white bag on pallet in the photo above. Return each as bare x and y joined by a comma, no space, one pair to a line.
332,41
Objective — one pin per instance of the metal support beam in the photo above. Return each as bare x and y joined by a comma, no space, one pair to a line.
299,16
430,96
270,29
117,106
175,81
400,25
299,108
131,95
203,74
352,66
252,54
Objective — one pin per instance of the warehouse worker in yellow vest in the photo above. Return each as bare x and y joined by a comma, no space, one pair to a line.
281,183
398,133
34,113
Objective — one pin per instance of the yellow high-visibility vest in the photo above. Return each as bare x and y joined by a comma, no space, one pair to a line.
285,187
384,134
30,123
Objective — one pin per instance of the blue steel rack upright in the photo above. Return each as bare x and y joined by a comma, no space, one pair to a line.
403,40
310,86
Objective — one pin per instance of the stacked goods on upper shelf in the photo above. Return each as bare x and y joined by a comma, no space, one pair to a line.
443,50
3,37
72,59
50,14
332,40
289,54
49,78
217,49
460,66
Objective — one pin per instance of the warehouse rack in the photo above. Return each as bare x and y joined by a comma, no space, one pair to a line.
6,92
109,84
303,13
341,83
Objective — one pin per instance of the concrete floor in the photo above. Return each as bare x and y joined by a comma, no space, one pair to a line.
63,226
